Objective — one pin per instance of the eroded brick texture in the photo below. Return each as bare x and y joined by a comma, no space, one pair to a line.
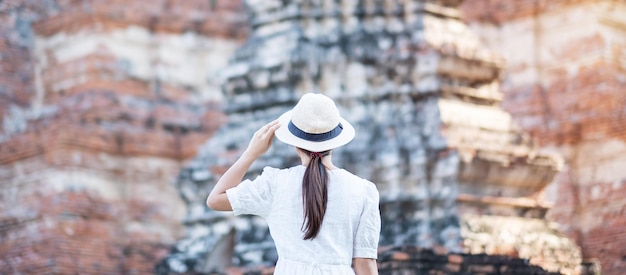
565,83
501,12
101,103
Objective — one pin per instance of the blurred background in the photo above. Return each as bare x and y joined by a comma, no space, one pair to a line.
490,127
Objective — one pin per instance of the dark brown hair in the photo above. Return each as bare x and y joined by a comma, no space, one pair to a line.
314,194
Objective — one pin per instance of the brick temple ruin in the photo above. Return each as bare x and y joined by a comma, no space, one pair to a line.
102,102
481,121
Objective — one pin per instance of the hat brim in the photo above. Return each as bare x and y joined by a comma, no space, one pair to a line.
283,134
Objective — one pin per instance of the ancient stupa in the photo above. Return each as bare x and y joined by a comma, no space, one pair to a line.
453,171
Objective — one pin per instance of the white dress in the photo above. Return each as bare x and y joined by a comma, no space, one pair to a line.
350,229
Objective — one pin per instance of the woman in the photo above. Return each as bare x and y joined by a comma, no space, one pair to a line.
323,219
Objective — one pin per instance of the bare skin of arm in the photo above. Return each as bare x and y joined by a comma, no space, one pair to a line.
364,266
259,144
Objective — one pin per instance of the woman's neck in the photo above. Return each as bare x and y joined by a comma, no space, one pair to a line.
327,161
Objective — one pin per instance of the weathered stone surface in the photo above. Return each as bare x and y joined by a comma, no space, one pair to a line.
564,84
101,102
533,239
408,260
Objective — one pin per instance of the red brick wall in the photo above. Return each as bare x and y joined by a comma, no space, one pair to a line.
575,106
571,109
15,65
86,171
61,232
502,11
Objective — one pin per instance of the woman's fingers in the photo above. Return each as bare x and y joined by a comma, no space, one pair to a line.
273,126
262,139
270,127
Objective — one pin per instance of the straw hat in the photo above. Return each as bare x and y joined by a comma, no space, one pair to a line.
314,124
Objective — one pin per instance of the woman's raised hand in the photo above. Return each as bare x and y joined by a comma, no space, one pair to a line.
260,143
262,139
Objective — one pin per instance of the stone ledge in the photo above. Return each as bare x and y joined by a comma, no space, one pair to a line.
230,22
412,260
491,200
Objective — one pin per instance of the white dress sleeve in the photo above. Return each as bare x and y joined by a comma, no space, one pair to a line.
253,197
368,230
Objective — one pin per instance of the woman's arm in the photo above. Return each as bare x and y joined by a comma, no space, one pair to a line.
364,266
259,144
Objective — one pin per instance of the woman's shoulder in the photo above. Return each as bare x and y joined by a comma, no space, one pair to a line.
369,190
352,178
273,171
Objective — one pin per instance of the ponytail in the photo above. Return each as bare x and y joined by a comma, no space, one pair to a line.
314,194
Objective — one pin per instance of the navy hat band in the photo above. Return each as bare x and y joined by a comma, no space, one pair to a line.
314,137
